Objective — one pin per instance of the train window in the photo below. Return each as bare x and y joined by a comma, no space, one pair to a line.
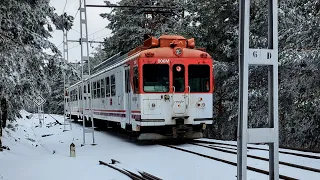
88,87
113,85
156,78
107,87
85,89
178,77
91,90
80,93
127,81
199,78
103,91
98,89
94,90
135,80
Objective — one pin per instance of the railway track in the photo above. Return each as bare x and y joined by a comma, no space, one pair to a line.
227,162
262,149
133,175
263,159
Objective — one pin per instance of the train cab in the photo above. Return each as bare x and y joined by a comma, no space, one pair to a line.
175,88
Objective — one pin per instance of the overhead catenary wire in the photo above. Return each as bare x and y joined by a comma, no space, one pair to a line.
64,6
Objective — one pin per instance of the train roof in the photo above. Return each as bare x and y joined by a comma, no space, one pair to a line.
167,52
166,46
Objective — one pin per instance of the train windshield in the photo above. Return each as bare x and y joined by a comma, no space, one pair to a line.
199,78
156,78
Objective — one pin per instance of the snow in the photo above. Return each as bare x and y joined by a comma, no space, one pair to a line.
32,156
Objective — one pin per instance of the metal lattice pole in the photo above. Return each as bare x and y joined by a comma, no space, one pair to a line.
267,57
86,97
66,98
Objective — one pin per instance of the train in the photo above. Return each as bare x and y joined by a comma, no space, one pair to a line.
162,89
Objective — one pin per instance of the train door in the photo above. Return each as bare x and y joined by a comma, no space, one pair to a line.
127,94
179,96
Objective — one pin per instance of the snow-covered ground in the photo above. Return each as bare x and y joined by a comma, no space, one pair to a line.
33,157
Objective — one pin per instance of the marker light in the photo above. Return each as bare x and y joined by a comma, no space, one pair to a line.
178,51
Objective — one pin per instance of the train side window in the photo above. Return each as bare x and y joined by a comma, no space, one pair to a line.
113,85
199,78
77,94
85,89
103,92
127,82
88,87
108,87
80,93
98,89
91,90
135,80
94,90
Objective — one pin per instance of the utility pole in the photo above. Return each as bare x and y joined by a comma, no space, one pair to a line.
261,57
66,84
86,87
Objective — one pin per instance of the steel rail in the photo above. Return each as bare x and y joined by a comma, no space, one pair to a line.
228,162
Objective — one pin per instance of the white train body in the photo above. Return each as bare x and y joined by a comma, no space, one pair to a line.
140,93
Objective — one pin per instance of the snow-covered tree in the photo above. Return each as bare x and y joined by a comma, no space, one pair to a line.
24,33
129,25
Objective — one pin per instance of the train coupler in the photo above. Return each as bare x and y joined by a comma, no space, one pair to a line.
181,131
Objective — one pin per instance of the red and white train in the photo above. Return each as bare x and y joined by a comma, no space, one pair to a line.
162,89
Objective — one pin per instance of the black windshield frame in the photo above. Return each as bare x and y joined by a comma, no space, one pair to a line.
156,78
199,78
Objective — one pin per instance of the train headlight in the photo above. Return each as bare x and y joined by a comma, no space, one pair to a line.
201,104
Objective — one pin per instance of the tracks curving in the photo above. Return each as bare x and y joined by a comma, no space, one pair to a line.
262,149
227,162
263,159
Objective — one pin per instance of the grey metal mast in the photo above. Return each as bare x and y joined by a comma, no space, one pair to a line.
67,120
267,57
85,79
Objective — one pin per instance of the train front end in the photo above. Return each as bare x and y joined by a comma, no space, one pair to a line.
175,90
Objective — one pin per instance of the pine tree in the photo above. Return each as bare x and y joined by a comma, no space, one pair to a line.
129,25
24,33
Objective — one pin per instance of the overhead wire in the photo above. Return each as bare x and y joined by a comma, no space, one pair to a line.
65,6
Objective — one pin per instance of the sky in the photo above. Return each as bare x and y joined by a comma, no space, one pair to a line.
96,25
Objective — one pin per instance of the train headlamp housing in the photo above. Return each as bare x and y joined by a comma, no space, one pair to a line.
178,51
200,103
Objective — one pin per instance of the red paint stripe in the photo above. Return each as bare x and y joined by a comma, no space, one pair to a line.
107,110
136,111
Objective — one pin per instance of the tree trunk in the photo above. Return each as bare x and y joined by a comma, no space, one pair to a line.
0,127
0,138
4,112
